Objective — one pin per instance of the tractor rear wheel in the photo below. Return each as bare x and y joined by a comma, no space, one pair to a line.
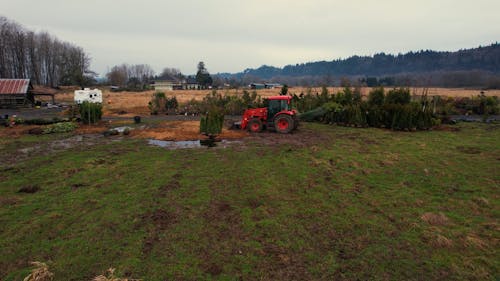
284,124
255,125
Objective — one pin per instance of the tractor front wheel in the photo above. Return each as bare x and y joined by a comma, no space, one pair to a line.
284,124
255,125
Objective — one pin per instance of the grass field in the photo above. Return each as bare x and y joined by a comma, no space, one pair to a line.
325,203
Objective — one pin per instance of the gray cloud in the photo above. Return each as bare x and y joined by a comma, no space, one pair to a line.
232,35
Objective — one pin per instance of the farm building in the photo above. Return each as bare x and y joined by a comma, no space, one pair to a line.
191,84
258,86
169,84
16,92
39,90
273,85
173,83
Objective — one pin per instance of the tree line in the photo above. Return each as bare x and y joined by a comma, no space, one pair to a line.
41,57
471,67
139,76
136,76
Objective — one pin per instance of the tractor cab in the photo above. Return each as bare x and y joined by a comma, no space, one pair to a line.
277,104
277,115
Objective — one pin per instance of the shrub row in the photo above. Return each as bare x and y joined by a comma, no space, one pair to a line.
394,110
40,121
231,104
441,106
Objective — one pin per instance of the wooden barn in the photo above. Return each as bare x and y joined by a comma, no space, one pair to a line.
16,92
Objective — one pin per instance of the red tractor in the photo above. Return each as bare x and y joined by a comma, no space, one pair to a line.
278,115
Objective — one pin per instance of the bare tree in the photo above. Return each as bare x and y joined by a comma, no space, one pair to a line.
134,76
142,72
118,75
41,57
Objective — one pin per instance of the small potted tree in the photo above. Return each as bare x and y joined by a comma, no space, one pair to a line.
211,125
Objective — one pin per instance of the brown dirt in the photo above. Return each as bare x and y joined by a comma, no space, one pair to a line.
221,211
9,201
78,186
159,220
91,129
171,185
166,130
300,138
20,130
213,269
225,233
469,149
181,130
17,131
283,264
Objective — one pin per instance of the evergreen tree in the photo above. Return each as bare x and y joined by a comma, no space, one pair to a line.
202,76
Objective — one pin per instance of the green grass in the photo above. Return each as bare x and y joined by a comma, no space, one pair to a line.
345,205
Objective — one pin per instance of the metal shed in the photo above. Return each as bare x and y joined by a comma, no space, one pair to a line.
16,92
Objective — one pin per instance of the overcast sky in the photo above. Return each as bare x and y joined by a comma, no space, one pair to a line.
230,35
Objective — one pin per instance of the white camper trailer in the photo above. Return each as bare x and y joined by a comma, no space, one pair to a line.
93,96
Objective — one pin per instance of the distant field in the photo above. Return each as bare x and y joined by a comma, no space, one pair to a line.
136,102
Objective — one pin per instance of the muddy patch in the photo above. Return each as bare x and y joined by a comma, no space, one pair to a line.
159,221
300,138
221,211
8,201
254,203
213,269
77,186
181,131
445,128
29,189
173,184
192,143
44,148
469,149
283,264
225,234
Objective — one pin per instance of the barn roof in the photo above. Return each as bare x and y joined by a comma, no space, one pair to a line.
167,78
14,86
191,80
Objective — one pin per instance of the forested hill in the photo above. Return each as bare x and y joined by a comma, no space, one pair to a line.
482,58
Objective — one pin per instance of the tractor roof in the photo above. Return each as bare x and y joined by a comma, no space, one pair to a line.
280,98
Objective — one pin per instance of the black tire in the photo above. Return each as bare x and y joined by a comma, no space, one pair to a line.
255,125
284,124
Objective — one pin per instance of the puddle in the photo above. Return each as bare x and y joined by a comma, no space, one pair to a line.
122,129
190,144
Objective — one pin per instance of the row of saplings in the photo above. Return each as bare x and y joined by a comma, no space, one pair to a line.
394,110
231,104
